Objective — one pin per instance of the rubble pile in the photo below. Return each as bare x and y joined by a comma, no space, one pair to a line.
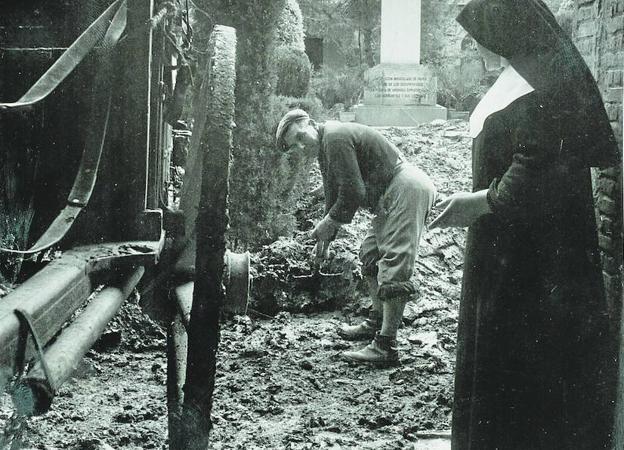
285,276
281,382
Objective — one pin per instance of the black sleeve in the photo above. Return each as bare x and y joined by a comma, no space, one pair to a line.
529,188
345,171
327,191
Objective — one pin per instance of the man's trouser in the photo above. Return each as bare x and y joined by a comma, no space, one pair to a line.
390,247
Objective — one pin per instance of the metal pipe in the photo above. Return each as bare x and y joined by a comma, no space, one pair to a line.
184,301
64,355
177,352
177,348
49,297
237,283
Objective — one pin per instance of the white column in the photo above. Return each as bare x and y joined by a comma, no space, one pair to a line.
400,31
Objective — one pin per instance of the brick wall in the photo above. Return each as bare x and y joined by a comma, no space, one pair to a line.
599,35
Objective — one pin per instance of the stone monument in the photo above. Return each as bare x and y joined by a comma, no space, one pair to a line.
400,91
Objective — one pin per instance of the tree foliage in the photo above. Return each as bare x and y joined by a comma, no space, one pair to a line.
293,71
366,14
292,66
252,174
351,26
290,30
344,86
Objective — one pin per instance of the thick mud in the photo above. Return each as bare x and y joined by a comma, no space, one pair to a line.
281,381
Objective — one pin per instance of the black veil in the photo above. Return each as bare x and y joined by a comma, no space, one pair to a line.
527,34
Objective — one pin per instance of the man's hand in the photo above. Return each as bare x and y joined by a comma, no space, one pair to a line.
324,233
317,193
321,250
461,209
326,229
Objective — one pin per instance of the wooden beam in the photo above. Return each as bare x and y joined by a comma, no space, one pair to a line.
134,156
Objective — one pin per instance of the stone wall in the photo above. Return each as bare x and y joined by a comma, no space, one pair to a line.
599,35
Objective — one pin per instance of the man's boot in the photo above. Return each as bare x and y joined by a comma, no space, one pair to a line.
366,330
363,331
382,351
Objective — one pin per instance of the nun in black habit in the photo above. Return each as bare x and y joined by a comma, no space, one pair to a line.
536,352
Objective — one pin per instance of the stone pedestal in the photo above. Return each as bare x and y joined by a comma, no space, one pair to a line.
400,84
400,95
399,91
398,116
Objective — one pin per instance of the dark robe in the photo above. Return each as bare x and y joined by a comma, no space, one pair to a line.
536,359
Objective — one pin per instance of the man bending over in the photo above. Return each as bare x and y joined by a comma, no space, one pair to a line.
361,168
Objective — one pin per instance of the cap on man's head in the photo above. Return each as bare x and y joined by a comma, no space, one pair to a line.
292,116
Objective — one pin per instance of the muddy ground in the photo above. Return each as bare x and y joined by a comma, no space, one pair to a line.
281,382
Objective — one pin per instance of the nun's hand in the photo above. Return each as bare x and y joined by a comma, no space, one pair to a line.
461,209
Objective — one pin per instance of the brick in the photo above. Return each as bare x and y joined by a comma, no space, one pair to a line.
586,28
606,205
614,47
608,186
604,179
613,285
614,78
610,48
615,30
613,59
612,172
585,45
612,95
606,243
613,56
611,264
606,226
614,111
614,25
585,12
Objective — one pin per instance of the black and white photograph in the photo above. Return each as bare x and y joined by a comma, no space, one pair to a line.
311,224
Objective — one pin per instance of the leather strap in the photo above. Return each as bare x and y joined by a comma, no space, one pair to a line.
26,321
96,133
67,62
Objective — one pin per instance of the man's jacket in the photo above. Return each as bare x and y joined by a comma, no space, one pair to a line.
357,164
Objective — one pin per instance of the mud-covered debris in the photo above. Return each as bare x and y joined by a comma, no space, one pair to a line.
425,339
286,276
92,444
109,340
5,289
306,365
137,330
281,381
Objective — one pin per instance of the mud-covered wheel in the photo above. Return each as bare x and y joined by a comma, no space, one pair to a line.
213,113
204,201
